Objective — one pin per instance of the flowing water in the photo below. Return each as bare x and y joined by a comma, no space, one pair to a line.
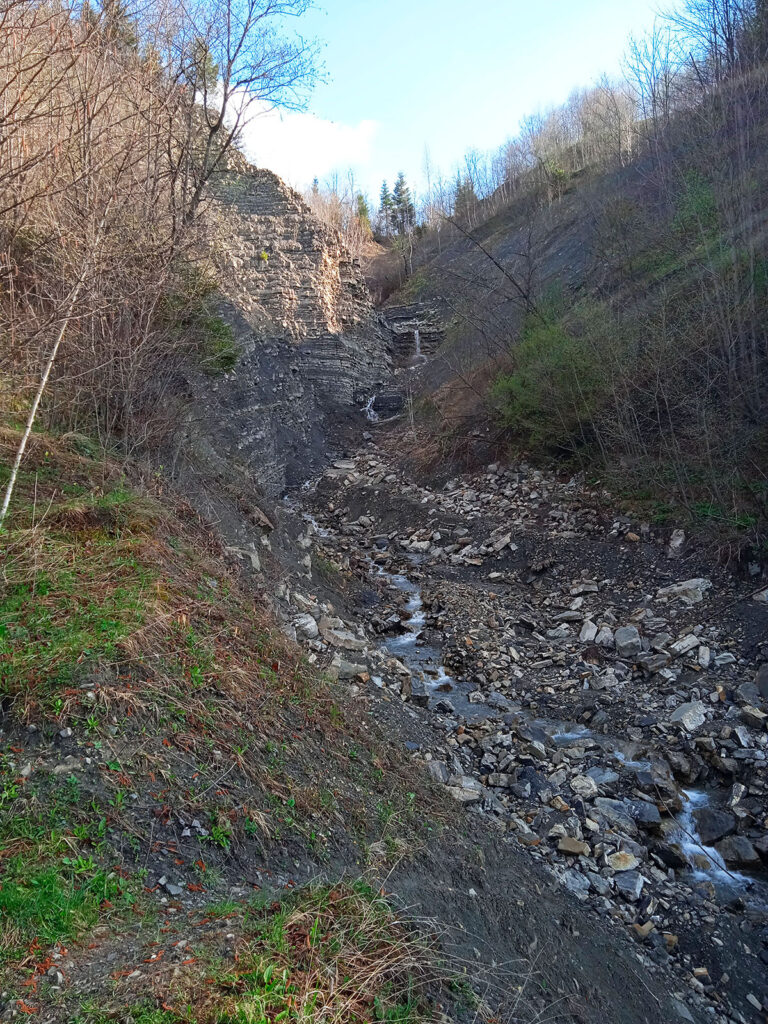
424,658
370,413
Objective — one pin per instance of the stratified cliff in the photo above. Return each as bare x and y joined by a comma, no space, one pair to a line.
312,345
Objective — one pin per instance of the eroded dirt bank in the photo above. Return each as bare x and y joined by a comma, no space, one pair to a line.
588,687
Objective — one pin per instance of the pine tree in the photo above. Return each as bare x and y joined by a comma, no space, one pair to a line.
403,208
363,213
464,198
386,209
114,23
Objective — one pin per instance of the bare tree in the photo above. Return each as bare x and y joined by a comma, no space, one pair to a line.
233,59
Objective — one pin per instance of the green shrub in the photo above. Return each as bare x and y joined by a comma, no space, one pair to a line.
696,206
218,346
558,380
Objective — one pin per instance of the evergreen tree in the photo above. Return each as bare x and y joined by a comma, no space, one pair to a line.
112,20
363,212
386,209
464,198
403,208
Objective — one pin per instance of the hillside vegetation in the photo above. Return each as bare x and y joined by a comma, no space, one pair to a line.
608,300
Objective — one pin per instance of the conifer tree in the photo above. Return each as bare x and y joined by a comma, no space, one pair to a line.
403,208
386,209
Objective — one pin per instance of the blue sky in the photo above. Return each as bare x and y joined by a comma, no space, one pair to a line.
447,74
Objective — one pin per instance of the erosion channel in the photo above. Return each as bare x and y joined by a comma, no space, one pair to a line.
585,685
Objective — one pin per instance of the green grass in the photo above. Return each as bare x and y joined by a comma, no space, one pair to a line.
49,893
333,952
75,587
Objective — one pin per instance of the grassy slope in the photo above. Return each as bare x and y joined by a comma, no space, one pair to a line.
144,688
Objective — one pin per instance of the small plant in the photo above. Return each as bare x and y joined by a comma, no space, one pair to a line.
264,256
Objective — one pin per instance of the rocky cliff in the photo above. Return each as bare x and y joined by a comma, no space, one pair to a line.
312,345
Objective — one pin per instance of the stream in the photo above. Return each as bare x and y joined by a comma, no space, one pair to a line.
434,688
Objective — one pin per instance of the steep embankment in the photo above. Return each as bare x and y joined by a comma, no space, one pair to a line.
198,817
196,823
311,346
622,325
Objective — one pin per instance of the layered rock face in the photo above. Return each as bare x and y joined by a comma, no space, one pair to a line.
313,347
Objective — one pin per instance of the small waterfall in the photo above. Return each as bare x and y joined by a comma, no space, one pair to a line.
417,344
370,413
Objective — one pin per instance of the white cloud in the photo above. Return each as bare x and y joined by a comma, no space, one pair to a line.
301,146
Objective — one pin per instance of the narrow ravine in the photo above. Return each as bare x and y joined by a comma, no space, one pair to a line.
574,708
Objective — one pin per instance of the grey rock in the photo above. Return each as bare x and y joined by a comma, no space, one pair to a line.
617,813
576,883
438,771
689,591
588,632
630,885
691,716
713,824
761,680
628,642
584,786
348,670
306,625
738,850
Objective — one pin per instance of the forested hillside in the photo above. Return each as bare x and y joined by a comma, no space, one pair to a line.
605,275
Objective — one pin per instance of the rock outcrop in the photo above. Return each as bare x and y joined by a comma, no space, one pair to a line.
312,345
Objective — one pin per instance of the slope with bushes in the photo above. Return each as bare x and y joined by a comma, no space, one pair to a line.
619,320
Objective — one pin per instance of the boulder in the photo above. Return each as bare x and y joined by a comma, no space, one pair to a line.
738,850
713,824
691,716
628,642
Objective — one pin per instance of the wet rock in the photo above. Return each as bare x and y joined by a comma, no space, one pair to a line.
672,855
738,850
645,814
713,824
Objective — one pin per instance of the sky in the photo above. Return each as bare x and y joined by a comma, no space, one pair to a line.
449,75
